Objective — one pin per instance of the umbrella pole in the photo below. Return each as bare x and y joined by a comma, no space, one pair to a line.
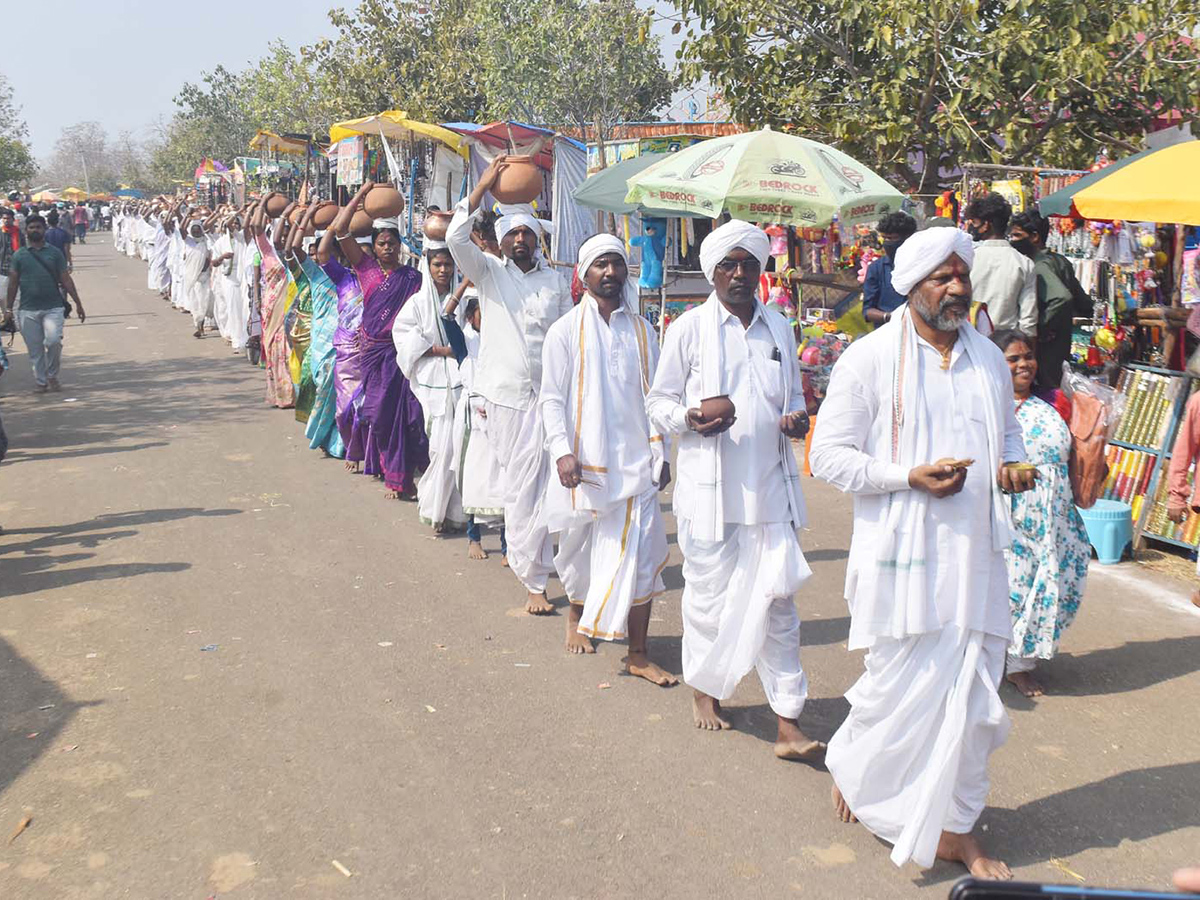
662,311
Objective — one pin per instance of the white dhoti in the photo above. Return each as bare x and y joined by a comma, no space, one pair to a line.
911,759
438,499
480,475
614,563
200,300
220,304
738,612
517,440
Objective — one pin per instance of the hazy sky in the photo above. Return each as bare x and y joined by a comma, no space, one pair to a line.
122,62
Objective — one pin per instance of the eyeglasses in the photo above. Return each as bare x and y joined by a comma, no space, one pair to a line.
750,266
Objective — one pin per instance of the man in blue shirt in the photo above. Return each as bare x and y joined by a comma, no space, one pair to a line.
879,297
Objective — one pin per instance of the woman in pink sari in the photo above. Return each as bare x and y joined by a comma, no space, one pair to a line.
275,301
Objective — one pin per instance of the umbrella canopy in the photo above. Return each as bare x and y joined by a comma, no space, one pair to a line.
133,193
45,195
1160,187
399,127
606,189
268,140
765,176
211,167
73,193
1062,203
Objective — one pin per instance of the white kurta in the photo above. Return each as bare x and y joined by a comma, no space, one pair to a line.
198,286
738,609
911,759
480,475
613,543
1003,278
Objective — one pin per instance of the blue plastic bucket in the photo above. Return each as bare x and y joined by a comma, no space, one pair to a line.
1109,528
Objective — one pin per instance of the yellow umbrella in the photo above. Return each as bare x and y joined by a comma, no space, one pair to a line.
45,195
74,193
398,126
1160,187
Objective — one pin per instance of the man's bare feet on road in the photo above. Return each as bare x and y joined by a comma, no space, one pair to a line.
504,561
354,466
1025,683
965,849
706,713
475,551
793,744
638,664
842,808
576,642
538,605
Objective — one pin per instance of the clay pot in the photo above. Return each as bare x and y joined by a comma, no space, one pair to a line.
383,201
325,215
436,224
360,224
276,204
520,181
297,214
719,407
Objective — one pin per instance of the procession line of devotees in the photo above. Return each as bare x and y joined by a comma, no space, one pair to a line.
503,404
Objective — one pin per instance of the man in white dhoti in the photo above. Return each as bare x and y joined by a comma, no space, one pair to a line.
520,297
738,497
918,425
196,277
597,365
424,355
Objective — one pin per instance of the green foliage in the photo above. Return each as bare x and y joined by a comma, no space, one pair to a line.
17,167
914,86
583,63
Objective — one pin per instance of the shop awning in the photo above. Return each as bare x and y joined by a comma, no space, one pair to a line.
268,140
1162,186
497,136
1061,203
73,193
395,125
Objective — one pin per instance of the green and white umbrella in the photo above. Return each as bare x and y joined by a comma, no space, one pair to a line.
765,176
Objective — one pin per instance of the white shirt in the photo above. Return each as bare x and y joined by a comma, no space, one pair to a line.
1003,278
630,464
753,489
516,308
851,450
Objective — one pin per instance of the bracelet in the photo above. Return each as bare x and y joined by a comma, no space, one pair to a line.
342,237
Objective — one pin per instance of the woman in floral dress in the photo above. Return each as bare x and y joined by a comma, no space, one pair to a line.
1048,560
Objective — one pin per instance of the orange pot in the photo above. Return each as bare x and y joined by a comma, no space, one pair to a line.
520,181
436,224
325,215
383,201
276,204
360,224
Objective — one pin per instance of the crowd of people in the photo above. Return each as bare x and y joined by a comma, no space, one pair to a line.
467,378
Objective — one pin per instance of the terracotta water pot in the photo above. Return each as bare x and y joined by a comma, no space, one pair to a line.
325,215
436,224
276,204
519,182
360,224
720,407
383,201
297,214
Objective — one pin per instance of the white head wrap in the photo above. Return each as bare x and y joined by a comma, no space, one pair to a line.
925,251
429,244
514,216
389,222
597,246
733,235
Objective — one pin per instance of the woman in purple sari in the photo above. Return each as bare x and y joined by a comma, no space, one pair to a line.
347,349
396,446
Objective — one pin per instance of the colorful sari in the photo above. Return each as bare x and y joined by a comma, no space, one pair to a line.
347,365
275,302
396,444
299,331
322,429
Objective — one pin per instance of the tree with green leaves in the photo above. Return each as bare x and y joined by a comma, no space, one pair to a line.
17,167
588,64
917,88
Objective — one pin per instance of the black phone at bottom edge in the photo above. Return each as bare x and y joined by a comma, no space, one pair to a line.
978,889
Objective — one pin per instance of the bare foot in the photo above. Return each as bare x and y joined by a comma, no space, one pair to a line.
576,642
199,332
439,527
842,808
391,495
1025,683
354,466
538,605
965,849
475,551
792,744
638,663
504,561
706,712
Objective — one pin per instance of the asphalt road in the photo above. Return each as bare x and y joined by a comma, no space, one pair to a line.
226,663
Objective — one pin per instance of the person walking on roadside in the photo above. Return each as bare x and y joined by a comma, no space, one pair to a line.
40,272
81,222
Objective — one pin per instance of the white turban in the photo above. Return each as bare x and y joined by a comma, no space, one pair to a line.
925,251
514,216
389,222
733,235
597,246
429,244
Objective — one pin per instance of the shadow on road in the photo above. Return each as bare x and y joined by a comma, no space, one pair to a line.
29,730
1116,670
20,456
